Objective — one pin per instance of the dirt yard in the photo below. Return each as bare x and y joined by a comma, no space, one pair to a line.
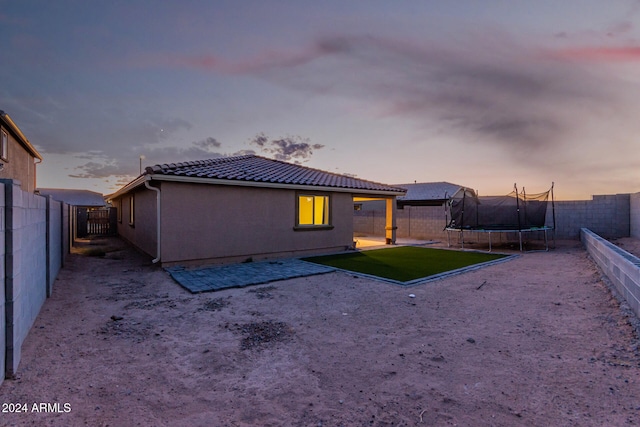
537,341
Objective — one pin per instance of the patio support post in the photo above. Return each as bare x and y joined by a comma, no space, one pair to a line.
390,228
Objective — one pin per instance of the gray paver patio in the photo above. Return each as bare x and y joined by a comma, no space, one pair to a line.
239,275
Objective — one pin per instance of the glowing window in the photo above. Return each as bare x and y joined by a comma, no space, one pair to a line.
313,210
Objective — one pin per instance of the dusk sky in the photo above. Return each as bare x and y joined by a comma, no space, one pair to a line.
483,94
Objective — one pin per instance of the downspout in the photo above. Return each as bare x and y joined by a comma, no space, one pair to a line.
158,234
36,161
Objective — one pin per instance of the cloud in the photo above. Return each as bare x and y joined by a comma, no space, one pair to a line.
604,54
288,148
208,143
126,166
488,89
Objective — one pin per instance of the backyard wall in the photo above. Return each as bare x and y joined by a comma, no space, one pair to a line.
32,254
634,215
621,267
57,229
417,222
610,216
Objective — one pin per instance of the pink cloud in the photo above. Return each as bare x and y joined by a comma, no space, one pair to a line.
600,54
266,61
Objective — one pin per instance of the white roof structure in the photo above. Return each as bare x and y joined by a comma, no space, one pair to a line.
72,197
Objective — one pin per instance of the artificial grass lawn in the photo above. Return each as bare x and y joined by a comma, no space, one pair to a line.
404,263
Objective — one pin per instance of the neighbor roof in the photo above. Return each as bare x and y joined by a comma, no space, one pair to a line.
428,191
257,169
74,197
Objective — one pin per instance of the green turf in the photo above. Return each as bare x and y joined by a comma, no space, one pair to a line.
404,263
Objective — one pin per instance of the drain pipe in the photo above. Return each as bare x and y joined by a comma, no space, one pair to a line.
157,190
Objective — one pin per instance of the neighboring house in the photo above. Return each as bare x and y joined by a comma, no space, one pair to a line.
427,193
88,214
17,156
242,208
418,194
80,198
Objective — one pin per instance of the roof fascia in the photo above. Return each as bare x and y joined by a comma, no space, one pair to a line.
130,186
216,181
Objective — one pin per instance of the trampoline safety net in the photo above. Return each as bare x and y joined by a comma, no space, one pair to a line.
515,211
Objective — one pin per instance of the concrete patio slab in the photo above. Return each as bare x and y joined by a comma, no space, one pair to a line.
215,278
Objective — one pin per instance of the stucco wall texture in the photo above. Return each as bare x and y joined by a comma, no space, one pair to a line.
207,223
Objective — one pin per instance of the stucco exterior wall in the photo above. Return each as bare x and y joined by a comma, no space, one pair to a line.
219,223
19,165
142,232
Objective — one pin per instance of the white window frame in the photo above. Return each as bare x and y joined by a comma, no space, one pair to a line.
4,146
327,224
132,205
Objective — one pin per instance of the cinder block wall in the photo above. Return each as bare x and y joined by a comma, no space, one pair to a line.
622,268
26,266
609,216
634,215
54,241
3,324
416,222
421,222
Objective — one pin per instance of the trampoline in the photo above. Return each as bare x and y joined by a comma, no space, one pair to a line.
516,212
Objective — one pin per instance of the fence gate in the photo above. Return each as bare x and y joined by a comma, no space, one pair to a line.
96,221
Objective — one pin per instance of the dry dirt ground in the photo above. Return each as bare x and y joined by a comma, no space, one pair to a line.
537,341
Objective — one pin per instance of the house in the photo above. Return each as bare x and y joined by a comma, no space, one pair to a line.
73,197
18,157
88,211
418,194
427,193
241,208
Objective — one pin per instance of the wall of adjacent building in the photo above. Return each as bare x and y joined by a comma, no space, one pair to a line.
19,165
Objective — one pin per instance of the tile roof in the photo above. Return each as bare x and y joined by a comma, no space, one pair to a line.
428,191
252,168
